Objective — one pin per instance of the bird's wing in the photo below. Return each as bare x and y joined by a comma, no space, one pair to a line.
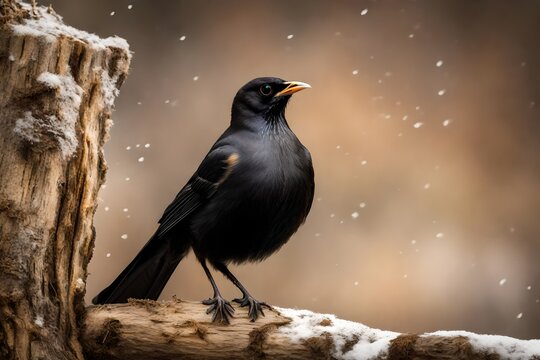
213,171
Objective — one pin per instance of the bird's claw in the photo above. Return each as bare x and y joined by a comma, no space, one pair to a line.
220,308
255,306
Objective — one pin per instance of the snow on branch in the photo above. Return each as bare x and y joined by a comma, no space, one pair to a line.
178,329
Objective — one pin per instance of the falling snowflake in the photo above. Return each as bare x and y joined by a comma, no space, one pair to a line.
529,287
289,37
439,235
124,236
411,36
441,92
147,145
413,242
183,37
125,210
108,255
439,63
355,72
446,122
107,208
418,124
356,283
519,316
112,13
332,215
141,159
130,7
427,186
363,162
364,12
127,179
196,77
355,215
362,205
502,281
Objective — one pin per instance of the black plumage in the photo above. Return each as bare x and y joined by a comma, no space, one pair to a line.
251,192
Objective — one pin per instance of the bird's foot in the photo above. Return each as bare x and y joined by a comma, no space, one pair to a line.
255,306
220,308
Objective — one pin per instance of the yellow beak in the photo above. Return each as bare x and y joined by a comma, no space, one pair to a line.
292,87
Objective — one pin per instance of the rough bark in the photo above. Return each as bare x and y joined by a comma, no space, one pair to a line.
55,106
182,330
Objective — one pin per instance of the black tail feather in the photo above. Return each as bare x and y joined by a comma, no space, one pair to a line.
146,275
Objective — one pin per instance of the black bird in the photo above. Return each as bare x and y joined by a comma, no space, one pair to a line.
249,195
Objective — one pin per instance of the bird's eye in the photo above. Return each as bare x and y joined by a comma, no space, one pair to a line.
266,89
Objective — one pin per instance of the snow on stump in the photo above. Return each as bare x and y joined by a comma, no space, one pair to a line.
57,88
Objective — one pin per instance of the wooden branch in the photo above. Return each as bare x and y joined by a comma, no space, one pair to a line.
57,87
182,330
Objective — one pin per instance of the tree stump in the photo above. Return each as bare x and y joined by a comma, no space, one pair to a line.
57,87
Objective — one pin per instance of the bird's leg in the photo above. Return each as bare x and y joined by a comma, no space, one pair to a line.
222,310
255,306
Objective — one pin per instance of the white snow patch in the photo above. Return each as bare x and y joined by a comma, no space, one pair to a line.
306,324
39,320
80,284
506,347
62,127
50,26
109,90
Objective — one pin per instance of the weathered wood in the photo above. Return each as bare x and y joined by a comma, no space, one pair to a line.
182,330
56,90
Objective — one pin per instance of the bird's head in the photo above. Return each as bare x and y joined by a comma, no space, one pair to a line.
264,99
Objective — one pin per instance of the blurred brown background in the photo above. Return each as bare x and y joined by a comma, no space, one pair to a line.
423,123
